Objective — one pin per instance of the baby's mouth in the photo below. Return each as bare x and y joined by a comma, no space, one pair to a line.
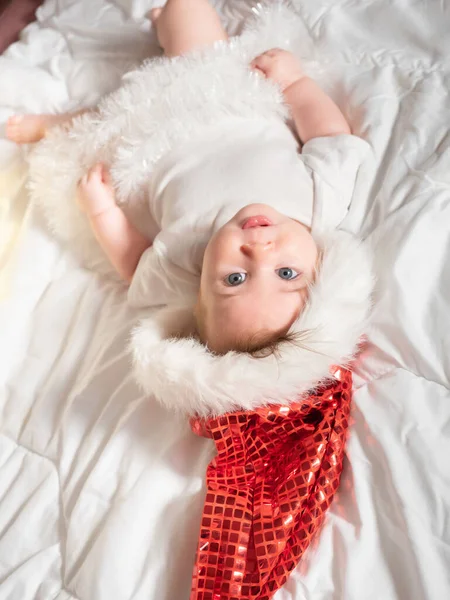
257,221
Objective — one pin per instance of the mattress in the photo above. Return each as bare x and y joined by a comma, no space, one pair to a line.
101,489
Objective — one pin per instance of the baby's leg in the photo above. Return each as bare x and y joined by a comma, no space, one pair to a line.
26,129
185,25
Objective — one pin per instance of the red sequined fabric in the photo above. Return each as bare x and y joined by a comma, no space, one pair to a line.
275,475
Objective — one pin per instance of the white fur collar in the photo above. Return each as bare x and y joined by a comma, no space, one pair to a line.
184,376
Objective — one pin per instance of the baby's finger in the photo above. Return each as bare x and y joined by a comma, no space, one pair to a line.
95,172
83,180
258,70
259,60
261,63
272,52
106,176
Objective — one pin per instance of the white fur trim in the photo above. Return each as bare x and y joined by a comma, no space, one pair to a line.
184,376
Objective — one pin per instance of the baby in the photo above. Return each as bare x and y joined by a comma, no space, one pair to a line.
238,210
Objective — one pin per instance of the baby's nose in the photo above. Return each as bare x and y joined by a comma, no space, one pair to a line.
255,249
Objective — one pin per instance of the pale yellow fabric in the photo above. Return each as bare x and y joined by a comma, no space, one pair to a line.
13,210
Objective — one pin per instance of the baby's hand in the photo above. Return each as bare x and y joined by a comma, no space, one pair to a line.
95,192
280,66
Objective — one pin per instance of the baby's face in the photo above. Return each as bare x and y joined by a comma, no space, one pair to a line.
255,274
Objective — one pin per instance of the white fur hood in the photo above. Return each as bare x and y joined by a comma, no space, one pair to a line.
171,365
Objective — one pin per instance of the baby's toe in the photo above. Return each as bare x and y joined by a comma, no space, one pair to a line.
14,135
15,120
155,13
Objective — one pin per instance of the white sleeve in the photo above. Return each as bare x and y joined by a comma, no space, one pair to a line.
334,163
158,280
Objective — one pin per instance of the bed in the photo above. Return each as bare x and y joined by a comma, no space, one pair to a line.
101,489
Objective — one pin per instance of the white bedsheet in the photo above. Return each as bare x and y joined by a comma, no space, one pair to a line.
101,490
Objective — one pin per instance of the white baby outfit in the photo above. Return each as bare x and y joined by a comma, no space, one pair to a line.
197,188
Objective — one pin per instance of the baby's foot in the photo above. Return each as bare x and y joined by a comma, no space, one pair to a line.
26,129
95,192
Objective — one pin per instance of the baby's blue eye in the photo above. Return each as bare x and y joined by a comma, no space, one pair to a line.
287,273
235,279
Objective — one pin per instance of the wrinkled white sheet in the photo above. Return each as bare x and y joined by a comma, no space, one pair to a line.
101,490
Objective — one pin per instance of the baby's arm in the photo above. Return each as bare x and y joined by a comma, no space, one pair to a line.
314,113
120,240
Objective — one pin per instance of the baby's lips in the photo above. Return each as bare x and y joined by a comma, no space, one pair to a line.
256,221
